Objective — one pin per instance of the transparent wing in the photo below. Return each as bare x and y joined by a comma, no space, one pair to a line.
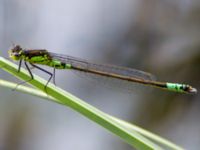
111,69
84,64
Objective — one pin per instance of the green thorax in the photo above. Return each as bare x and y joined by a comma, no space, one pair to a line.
44,58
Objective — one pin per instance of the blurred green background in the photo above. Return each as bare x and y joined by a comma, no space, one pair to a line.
158,36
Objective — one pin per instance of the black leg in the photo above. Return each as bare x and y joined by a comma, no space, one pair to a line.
51,75
27,67
31,75
20,64
54,76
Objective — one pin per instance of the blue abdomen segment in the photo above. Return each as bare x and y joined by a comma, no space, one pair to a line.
177,87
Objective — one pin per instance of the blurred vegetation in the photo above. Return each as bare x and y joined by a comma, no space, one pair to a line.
162,37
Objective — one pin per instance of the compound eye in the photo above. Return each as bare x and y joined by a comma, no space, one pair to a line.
16,56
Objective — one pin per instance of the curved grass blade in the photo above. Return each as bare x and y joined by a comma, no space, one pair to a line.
67,99
129,126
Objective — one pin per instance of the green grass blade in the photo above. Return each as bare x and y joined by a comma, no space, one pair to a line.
148,134
130,136
129,126
27,90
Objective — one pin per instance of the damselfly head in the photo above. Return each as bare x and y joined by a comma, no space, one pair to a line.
16,52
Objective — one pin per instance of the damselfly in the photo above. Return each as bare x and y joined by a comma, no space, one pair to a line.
58,61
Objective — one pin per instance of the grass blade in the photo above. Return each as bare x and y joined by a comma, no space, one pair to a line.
60,96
